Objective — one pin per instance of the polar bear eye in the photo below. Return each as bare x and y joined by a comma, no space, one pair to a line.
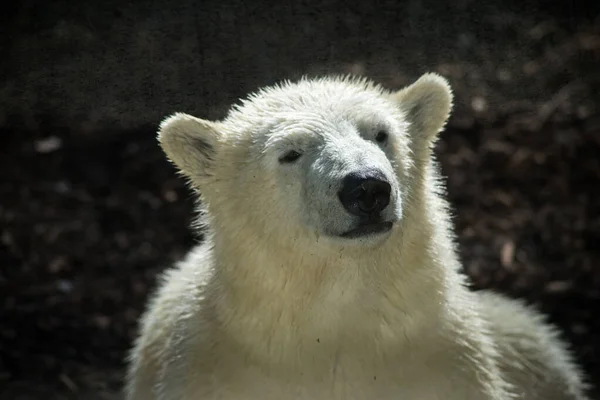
381,136
290,157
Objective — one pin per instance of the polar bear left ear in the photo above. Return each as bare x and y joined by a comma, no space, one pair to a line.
190,143
427,104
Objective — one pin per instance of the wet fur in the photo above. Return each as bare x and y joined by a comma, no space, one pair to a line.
292,314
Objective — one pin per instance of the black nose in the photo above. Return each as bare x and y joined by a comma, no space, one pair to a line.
366,193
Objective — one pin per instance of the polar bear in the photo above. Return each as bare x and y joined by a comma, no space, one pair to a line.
329,269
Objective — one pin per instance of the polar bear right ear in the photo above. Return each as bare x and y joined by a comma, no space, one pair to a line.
190,143
427,104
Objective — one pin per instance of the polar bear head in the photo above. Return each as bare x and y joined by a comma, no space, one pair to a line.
323,162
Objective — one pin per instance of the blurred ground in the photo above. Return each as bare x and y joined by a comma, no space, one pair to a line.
90,210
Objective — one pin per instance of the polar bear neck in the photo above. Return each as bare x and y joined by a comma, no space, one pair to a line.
271,301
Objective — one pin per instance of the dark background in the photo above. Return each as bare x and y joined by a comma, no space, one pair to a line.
91,211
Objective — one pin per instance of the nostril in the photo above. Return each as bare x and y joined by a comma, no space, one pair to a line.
374,196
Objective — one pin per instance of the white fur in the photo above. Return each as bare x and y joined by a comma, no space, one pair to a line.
275,305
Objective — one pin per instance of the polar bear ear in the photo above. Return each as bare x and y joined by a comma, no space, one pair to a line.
190,143
427,104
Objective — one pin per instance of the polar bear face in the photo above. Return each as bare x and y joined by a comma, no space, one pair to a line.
318,161
338,165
